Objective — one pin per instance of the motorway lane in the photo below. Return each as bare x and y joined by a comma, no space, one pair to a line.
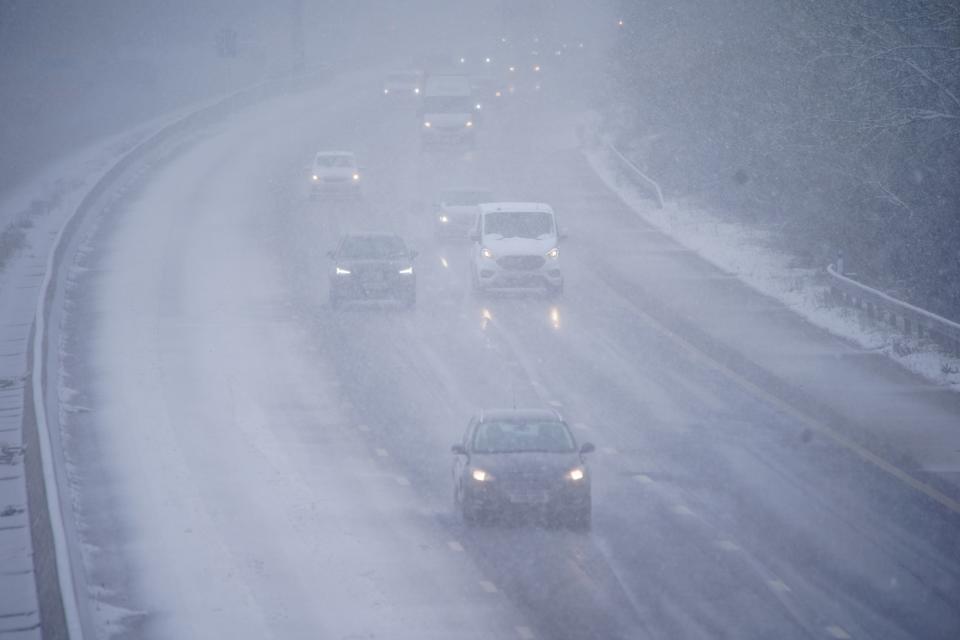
714,515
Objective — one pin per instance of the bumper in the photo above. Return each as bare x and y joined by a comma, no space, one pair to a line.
440,135
560,500
492,277
345,289
335,187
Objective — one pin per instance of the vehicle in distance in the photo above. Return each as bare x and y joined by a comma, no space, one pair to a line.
516,248
447,112
457,210
522,462
335,173
403,84
372,266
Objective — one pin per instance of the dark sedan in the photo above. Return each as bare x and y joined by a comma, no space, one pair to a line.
372,266
522,461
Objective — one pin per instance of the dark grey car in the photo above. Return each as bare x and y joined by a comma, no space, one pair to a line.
521,462
372,266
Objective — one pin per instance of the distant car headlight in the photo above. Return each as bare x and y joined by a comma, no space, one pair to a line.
576,474
468,124
486,253
444,219
356,177
340,271
316,177
481,476
416,90
427,124
478,107
408,271
554,253
386,91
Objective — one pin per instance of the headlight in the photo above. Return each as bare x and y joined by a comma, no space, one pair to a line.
486,253
386,91
316,177
427,124
478,106
416,90
554,253
576,474
406,272
444,219
342,272
481,476
356,177
469,123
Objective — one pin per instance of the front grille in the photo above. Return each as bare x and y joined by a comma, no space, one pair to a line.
521,263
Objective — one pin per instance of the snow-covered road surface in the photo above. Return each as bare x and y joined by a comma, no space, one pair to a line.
250,464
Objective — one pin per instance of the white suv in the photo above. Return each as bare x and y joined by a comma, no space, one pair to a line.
335,172
516,248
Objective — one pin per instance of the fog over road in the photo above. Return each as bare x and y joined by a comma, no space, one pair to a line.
254,464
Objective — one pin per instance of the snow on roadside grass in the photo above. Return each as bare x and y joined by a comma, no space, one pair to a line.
745,251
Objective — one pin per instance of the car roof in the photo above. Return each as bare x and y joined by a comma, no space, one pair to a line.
490,207
519,414
335,153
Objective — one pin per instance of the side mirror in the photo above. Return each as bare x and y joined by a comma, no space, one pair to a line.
414,254
587,447
458,449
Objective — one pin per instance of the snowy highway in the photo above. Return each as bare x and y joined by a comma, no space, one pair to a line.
255,464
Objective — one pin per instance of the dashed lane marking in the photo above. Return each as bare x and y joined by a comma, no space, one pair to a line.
383,453
488,586
643,479
610,451
682,510
838,632
454,545
581,426
728,545
402,481
524,632
778,585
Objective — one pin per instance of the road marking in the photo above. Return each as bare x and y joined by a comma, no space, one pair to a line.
383,453
610,451
487,586
728,545
363,427
838,632
643,479
456,546
837,437
524,632
402,481
581,426
778,585
682,510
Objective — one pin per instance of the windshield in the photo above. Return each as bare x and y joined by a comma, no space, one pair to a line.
448,104
372,247
465,197
518,224
334,161
510,436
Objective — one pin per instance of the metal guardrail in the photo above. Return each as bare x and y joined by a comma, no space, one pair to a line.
644,181
912,320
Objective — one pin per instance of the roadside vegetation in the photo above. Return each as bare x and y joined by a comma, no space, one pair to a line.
834,124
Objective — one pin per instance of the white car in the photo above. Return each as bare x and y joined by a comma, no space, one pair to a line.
335,172
516,248
403,84
457,209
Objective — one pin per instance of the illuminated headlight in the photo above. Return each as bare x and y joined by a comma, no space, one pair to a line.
342,272
478,106
481,476
386,91
486,253
554,253
427,124
315,177
356,177
536,67
576,474
444,219
498,94
511,69
487,60
416,90
468,124
406,272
